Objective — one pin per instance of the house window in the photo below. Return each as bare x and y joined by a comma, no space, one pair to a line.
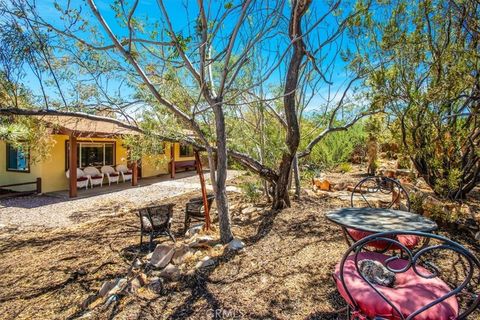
186,150
93,154
17,160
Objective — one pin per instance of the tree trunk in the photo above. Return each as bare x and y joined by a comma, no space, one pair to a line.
220,192
281,198
296,177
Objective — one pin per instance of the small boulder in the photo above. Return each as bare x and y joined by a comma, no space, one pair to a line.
156,285
137,263
171,272
162,255
339,186
249,210
202,241
112,287
205,262
106,287
236,244
194,230
181,253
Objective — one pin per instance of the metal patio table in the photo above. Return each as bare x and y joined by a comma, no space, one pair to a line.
381,220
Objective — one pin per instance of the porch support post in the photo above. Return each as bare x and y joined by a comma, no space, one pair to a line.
134,173
172,160
73,166
199,167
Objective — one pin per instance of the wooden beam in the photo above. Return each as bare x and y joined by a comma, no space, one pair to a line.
199,167
134,173
172,160
73,166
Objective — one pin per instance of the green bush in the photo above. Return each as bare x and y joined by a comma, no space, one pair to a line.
336,148
344,167
252,190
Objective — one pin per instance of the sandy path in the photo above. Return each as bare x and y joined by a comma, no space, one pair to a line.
52,211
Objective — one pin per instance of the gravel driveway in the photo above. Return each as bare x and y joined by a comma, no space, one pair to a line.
55,210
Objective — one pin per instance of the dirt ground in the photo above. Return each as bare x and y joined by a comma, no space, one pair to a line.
285,271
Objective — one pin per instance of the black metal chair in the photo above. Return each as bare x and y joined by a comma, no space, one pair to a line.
156,221
380,192
195,211
420,291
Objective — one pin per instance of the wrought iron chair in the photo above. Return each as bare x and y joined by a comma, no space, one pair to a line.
156,221
379,192
420,291
383,192
195,211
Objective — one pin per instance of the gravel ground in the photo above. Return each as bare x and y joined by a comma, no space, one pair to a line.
54,211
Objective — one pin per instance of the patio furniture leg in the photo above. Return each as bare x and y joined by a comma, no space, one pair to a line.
187,223
141,240
150,246
171,236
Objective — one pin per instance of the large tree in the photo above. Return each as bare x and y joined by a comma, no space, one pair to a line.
192,73
429,80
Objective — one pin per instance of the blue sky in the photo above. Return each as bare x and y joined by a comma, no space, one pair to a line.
182,14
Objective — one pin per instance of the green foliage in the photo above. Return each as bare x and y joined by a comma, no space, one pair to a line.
252,190
29,135
429,85
344,167
336,148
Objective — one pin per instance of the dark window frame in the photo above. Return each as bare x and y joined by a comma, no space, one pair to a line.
8,146
67,143
190,153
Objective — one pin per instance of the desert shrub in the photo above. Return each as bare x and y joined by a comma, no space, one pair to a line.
252,190
336,148
344,167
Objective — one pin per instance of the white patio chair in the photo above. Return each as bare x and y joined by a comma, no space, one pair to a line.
111,174
124,172
82,178
96,177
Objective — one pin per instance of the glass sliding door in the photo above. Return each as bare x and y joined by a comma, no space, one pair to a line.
93,154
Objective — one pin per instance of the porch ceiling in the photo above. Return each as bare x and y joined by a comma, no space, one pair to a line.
85,127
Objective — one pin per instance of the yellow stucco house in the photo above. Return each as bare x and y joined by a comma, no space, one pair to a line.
98,144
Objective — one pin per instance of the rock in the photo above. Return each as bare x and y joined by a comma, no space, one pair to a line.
137,264
403,173
181,253
249,210
112,287
205,262
202,241
339,186
106,287
171,272
236,244
135,285
194,230
390,173
111,299
162,255
156,285
322,184
432,206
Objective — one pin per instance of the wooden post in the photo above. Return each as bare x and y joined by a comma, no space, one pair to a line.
134,173
39,185
73,166
172,160
204,189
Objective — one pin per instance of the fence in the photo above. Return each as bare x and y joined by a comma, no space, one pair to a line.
6,191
